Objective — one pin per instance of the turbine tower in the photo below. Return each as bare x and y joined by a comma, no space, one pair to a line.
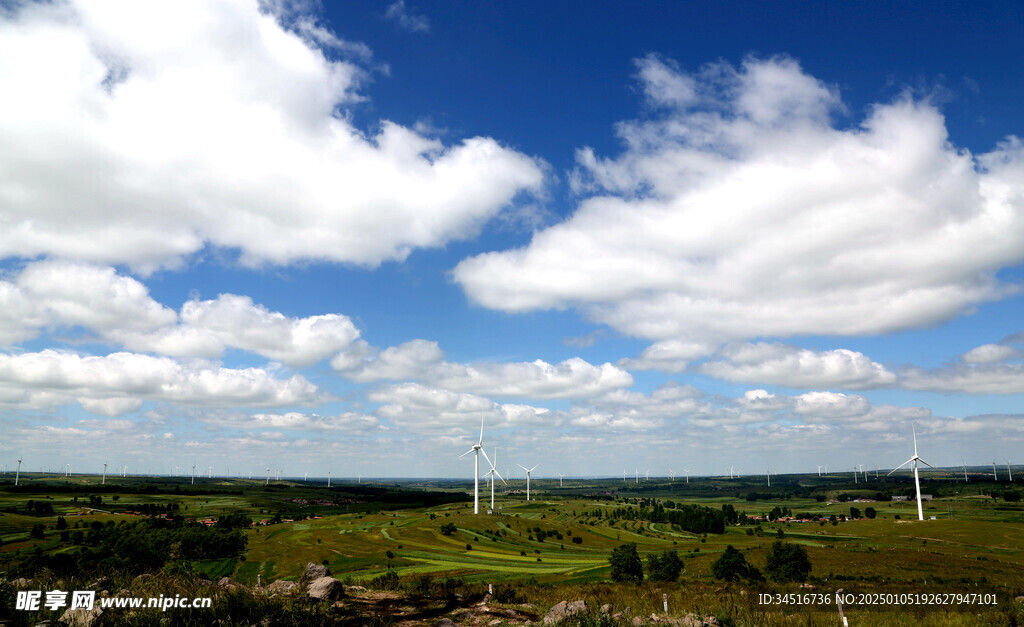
268,476
1008,471
493,472
819,471
965,469
476,450
529,470
917,482
328,478
193,473
995,477
104,481
67,470
560,479
17,474
687,476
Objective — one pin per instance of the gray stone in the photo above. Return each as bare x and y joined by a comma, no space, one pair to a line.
81,617
315,571
282,585
445,622
606,608
563,610
326,588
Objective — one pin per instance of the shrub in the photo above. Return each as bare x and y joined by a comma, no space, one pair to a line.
664,567
733,566
626,564
387,581
787,562
577,540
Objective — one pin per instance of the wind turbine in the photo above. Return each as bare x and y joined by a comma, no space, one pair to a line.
493,472
17,474
193,473
995,477
637,472
819,471
768,472
671,474
104,481
623,475
328,478
560,479
917,482
67,470
268,476
476,450
965,469
176,469
529,470
687,476
1008,472
854,474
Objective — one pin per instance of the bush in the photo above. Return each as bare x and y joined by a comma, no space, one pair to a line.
787,562
664,567
387,581
733,566
626,564
448,529
577,540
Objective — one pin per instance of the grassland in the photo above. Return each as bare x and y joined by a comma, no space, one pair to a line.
975,544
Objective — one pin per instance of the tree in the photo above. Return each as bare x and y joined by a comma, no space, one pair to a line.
664,567
448,529
854,512
626,564
733,566
787,562
870,512
61,523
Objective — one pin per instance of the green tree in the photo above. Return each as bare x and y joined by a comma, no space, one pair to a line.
664,567
870,512
733,566
854,512
626,564
61,523
787,562
448,529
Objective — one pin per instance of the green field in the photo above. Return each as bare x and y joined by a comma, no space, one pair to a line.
975,543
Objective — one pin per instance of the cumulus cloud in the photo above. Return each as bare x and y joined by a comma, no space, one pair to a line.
62,295
990,354
119,382
351,423
738,210
778,364
417,406
669,355
141,134
982,378
423,360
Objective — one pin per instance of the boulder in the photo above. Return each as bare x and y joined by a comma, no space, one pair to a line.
606,609
564,610
82,617
282,585
326,588
444,622
315,571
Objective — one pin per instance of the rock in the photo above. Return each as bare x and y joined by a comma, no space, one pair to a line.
638,621
445,622
563,610
81,617
654,618
326,588
606,609
226,582
495,622
1019,599
282,585
617,616
314,572
102,582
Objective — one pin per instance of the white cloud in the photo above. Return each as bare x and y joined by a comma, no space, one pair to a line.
990,354
351,423
778,364
61,295
140,134
119,382
407,21
983,378
740,211
669,355
416,406
423,360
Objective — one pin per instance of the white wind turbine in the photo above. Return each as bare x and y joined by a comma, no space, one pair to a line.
493,472
1008,471
104,481
819,471
193,473
965,469
995,477
67,470
855,474
687,476
476,450
917,482
637,472
560,480
529,470
17,473
268,476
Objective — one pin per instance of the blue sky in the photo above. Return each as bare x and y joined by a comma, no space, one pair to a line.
626,236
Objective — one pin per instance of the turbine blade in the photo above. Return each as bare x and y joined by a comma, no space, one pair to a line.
487,458
523,467
925,463
535,466
481,431
499,476
900,466
466,453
